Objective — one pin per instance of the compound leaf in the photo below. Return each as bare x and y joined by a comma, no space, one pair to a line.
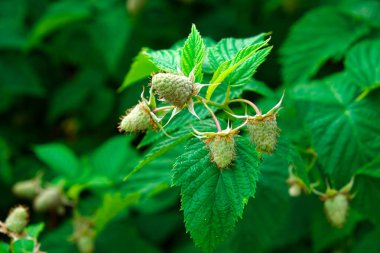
214,199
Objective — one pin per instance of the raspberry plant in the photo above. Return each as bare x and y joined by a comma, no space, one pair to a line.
218,171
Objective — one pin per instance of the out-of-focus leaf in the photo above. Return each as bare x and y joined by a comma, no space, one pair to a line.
366,10
322,34
324,235
341,127
110,35
141,68
113,205
73,94
123,233
12,15
23,246
4,247
367,197
57,16
362,63
59,158
113,158
17,77
35,230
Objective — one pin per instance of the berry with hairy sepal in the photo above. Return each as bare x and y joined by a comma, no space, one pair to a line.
28,189
264,132
175,89
222,150
84,234
17,219
336,209
137,119
50,199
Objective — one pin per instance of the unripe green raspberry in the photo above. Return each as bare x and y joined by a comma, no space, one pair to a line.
336,210
28,189
264,133
222,150
137,119
175,89
295,190
49,199
17,219
86,244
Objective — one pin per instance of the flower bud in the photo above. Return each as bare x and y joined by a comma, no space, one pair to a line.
175,89
222,150
49,199
138,119
336,209
17,219
28,189
264,133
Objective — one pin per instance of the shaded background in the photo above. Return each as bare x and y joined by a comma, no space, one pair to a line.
61,63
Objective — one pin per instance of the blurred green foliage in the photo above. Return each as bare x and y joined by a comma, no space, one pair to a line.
62,62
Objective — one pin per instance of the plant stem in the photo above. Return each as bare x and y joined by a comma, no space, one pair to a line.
213,116
257,110
163,108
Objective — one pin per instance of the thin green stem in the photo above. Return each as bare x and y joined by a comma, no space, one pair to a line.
213,116
163,108
257,110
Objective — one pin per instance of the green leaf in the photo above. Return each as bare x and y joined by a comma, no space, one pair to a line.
226,49
35,230
110,35
159,149
243,56
362,63
59,158
364,10
59,14
368,243
166,60
23,246
324,235
113,205
367,197
322,34
371,169
193,53
74,94
17,77
12,27
4,247
345,132
214,199
141,68
263,216
113,157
